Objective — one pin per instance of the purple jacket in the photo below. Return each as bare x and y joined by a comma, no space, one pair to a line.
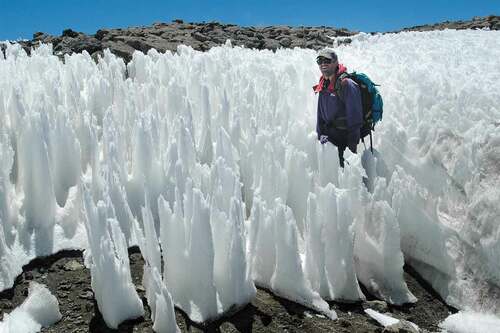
334,112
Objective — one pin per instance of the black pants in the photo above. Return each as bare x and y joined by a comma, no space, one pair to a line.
341,150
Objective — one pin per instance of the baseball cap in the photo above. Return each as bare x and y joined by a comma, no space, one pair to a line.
327,53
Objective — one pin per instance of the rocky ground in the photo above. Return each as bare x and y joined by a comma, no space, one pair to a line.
67,278
203,36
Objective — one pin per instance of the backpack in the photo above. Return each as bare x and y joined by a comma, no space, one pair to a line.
371,101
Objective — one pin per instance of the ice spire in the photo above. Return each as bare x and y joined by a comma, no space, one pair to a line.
111,280
159,298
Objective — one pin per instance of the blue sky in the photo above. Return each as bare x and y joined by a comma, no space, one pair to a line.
21,18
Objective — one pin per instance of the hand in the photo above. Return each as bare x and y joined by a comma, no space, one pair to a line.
353,148
323,139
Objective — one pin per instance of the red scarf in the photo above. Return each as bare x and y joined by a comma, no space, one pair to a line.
331,87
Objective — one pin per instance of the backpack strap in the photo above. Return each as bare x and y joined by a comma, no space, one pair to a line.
340,122
338,85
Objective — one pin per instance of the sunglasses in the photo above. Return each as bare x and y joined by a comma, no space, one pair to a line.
322,60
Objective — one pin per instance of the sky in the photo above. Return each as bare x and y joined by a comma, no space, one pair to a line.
22,18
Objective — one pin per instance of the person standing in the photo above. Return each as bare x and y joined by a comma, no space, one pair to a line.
340,113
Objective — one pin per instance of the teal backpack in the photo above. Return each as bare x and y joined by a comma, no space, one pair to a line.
373,106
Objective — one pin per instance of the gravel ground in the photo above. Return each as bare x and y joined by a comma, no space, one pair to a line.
67,278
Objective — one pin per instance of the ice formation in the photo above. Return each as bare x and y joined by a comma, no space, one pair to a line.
109,265
392,324
159,298
219,151
329,250
471,322
382,319
39,309
379,260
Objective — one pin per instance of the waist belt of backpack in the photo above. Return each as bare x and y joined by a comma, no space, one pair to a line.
339,123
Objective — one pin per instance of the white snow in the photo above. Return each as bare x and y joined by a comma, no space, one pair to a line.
379,260
159,298
392,323
382,319
471,322
109,265
329,249
39,309
219,150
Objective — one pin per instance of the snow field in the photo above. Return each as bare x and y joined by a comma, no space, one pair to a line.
209,162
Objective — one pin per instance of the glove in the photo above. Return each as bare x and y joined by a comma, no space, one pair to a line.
323,139
353,148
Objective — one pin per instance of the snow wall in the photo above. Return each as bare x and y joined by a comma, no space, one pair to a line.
209,161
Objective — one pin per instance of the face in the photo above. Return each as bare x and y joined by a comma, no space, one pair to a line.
327,66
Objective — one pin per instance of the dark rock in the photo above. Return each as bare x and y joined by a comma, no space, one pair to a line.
271,44
344,322
203,36
101,33
379,306
82,279
89,307
205,46
78,321
300,34
298,43
254,43
209,27
3,47
475,23
312,45
78,45
344,41
187,27
248,33
200,37
39,35
344,33
47,39
69,33
65,287
135,257
135,43
88,295
73,265
159,25
28,276
7,305
285,42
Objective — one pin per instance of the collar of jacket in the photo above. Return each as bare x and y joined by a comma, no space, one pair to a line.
331,87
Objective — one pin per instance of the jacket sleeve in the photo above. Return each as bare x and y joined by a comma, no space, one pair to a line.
318,124
354,112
